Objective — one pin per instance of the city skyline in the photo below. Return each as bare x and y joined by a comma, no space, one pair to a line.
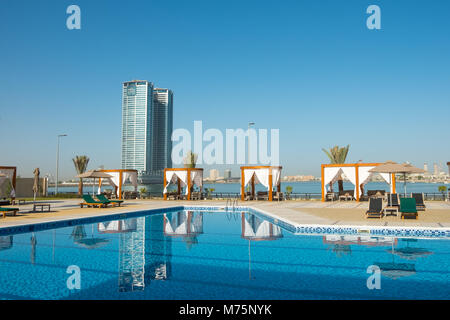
313,71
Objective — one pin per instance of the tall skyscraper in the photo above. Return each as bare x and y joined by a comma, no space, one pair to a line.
137,97
227,174
147,124
425,167
162,126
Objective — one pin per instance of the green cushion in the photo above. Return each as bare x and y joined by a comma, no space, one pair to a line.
408,205
9,209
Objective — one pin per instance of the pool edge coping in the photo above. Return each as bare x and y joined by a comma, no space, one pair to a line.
300,229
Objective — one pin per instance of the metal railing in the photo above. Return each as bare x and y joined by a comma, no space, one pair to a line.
428,196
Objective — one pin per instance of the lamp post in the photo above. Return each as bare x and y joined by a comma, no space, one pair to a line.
57,161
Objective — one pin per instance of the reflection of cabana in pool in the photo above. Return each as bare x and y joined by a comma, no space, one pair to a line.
357,173
183,224
268,176
257,229
118,178
8,179
117,226
183,177
368,241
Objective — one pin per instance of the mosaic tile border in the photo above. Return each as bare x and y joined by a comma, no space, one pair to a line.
416,232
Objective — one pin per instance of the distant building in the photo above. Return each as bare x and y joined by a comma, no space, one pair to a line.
436,169
137,97
425,167
147,124
227,174
448,165
162,126
213,174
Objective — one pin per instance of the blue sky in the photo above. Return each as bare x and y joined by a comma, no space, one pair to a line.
309,68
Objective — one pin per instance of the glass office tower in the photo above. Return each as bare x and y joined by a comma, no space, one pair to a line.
136,125
162,126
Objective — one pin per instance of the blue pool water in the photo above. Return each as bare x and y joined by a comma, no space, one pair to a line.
216,255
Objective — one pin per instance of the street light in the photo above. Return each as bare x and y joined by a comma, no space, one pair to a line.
57,161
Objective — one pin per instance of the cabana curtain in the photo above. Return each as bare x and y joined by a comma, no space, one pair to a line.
172,176
262,176
126,176
350,173
330,174
196,178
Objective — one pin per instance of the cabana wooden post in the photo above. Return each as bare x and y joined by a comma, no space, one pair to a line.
357,167
13,180
189,181
118,189
252,181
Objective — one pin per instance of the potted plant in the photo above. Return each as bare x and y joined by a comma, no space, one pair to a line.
190,160
443,190
288,192
143,192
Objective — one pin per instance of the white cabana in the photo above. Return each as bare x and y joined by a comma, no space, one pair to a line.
8,182
357,173
254,228
268,176
184,178
119,177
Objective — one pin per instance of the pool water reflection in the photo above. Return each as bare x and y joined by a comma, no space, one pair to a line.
216,255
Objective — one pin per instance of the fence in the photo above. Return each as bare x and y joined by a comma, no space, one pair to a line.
428,196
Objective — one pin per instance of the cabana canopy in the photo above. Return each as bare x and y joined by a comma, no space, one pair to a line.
119,177
358,174
8,173
183,177
268,176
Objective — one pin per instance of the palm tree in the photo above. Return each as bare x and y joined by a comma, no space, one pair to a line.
338,155
80,163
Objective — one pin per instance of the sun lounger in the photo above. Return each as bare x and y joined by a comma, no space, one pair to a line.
392,203
4,210
419,201
103,198
90,202
408,207
262,195
375,208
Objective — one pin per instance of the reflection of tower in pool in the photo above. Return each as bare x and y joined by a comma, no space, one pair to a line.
131,253
6,242
158,250
185,224
144,253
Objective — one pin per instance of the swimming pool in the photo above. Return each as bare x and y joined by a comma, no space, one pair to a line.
192,254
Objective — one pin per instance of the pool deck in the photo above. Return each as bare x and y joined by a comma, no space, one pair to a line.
437,214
